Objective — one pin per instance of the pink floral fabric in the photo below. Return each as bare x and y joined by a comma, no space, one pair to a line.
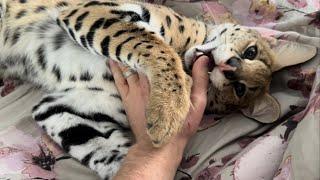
231,147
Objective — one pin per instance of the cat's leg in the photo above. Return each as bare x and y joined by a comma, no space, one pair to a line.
89,124
126,42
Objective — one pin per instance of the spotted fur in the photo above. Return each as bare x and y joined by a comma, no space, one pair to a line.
63,46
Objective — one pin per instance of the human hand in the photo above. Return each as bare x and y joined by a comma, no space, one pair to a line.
142,157
134,92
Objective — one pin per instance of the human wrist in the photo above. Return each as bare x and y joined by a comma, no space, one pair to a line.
146,162
170,154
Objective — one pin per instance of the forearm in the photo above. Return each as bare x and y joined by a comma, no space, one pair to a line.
141,163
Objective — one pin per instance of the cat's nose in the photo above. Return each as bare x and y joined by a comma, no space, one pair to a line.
234,62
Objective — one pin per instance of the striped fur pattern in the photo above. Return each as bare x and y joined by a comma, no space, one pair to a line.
62,47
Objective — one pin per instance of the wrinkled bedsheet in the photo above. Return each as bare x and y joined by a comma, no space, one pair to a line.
232,147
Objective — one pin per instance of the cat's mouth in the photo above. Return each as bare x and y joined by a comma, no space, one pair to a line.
211,64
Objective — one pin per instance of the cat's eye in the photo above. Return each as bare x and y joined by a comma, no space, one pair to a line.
239,88
250,53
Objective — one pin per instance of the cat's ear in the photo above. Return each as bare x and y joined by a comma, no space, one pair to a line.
288,53
265,109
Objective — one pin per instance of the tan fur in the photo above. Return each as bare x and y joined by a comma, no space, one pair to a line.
254,74
169,100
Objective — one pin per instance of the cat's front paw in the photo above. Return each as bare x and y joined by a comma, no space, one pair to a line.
167,112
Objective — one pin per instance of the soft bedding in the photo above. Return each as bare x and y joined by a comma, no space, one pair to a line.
231,147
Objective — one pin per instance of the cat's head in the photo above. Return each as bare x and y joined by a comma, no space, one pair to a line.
241,67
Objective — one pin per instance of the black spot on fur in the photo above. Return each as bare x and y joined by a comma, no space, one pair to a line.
146,55
22,1
45,100
95,89
6,35
86,76
109,22
187,42
16,35
105,46
85,161
62,4
92,3
59,40
96,25
78,135
72,78
120,32
66,22
122,111
161,58
162,31
129,56
42,57
168,20
58,109
118,49
40,9
72,13
134,17
80,19
97,3
100,160
56,71
117,96
136,45
84,41
178,17
21,14
145,15
127,144
72,34
237,29
223,31
214,38
149,47
181,28
111,159
57,21
109,4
